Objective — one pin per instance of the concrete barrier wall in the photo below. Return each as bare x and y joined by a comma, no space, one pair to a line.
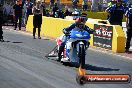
119,39
99,15
52,27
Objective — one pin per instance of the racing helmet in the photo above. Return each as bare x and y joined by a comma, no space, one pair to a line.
80,22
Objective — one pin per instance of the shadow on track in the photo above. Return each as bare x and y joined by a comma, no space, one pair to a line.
17,42
96,68
4,41
11,42
90,67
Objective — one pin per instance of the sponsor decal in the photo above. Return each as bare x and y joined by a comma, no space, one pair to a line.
103,36
108,78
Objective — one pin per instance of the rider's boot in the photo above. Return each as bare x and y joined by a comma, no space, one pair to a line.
66,59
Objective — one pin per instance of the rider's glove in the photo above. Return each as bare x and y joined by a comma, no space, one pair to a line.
91,31
67,33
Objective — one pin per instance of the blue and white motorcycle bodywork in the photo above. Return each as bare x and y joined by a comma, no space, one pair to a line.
76,46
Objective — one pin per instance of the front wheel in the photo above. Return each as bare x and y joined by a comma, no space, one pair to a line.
81,55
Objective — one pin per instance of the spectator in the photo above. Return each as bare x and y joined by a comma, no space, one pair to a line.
74,3
52,3
18,13
1,23
110,5
60,14
37,19
47,13
125,6
116,12
104,6
67,12
99,7
24,16
55,8
7,11
58,3
94,5
85,5
29,6
43,8
89,5
12,14
128,15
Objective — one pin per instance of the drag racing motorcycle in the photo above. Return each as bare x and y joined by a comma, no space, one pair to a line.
77,43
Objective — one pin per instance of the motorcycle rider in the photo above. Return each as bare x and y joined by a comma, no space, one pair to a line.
80,23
